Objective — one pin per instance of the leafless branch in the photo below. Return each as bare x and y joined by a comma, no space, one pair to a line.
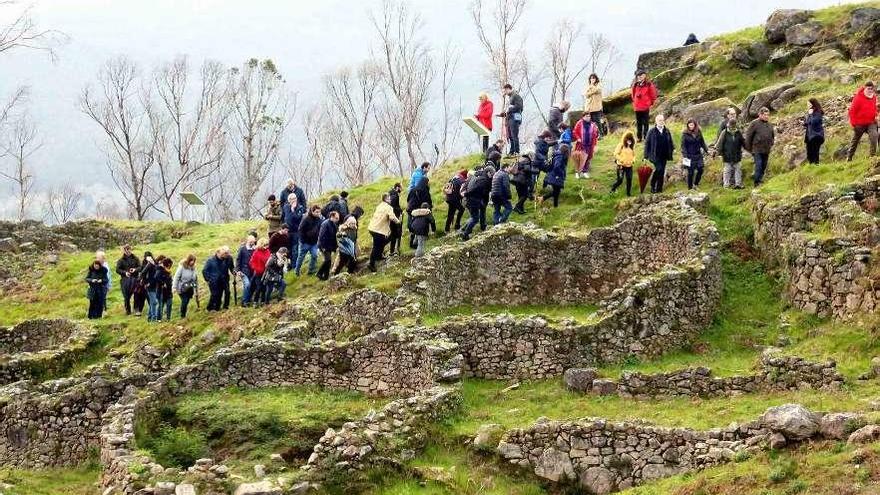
24,32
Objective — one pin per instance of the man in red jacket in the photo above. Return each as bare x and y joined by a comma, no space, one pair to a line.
863,118
644,94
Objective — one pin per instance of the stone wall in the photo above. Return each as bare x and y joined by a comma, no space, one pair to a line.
35,348
357,314
602,457
83,235
521,264
824,243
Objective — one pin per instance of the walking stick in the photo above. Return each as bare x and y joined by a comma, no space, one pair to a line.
235,289
198,306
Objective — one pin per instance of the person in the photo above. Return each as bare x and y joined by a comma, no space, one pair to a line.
691,40
513,117
186,282
863,119
497,147
165,288
396,228
693,147
295,190
477,190
148,279
257,264
308,240
500,195
658,150
216,275
422,226
452,195
556,175
521,178
243,267
484,116
624,158
759,138
730,146
291,216
593,101
230,271
417,195
418,174
564,136
327,243
279,239
343,205
644,94
102,257
729,114
541,160
273,214
346,239
492,165
814,125
127,269
586,137
332,205
380,228
273,275
96,278
140,291
556,115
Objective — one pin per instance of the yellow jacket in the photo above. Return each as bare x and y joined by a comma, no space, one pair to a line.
624,155
593,98
382,218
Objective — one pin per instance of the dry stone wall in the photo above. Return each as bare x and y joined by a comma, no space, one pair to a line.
825,244
38,347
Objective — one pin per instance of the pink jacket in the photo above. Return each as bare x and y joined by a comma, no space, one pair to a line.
592,138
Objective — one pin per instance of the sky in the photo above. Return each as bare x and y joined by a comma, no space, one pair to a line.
306,39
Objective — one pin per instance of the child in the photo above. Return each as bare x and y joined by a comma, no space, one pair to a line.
555,178
422,225
624,157
565,134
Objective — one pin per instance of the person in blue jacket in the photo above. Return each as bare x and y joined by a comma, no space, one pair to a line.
419,174
216,274
556,175
292,188
292,212
327,243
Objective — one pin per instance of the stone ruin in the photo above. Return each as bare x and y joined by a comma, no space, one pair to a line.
35,348
825,244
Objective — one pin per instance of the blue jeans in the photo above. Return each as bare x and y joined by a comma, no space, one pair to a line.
304,248
760,167
184,304
502,211
246,292
165,305
472,221
153,310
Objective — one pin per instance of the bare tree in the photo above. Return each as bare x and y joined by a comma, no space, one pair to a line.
260,111
351,99
63,203
497,38
407,69
558,52
23,32
19,148
18,97
118,107
603,55
189,135
450,124
310,170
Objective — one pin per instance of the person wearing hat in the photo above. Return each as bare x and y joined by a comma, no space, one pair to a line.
644,94
127,268
484,116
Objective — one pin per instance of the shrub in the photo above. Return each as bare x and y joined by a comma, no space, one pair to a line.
178,447
781,470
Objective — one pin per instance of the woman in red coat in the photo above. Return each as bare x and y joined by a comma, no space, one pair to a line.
258,266
484,116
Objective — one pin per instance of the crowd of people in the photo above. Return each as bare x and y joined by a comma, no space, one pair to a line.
297,231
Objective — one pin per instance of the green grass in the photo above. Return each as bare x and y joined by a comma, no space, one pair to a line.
67,481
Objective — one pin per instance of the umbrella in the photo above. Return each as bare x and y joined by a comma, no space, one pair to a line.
644,174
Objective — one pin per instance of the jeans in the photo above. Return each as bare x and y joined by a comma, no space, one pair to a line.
643,121
421,240
624,174
165,306
246,289
184,304
324,271
733,174
455,212
97,294
513,135
813,147
502,210
760,167
304,248
695,172
152,306
266,290
658,177
472,221
379,241
858,131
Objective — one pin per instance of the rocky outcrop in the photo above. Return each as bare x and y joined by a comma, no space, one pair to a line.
709,113
601,457
803,34
36,348
358,313
749,55
87,235
826,65
773,97
661,60
674,105
781,20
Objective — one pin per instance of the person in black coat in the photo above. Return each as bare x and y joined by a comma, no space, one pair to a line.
291,216
452,193
693,147
691,40
396,228
127,268
292,188
327,243
814,125
147,278
165,289
497,147
97,280
332,205
478,188
658,150
417,195
309,228
556,175
521,178
556,116
514,117
216,274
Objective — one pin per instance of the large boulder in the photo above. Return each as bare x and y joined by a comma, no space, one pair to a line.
826,65
488,436
708,113
863,17
803,34
661,60
763,98
617,101
554,466
259,488
865,42
786,56
749,56
837,426
580,379
597,481
780,20
794,421
676,103
865,434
